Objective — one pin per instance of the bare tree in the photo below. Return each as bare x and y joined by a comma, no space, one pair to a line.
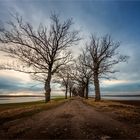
101,56
82,74
41,52
71,84
64,78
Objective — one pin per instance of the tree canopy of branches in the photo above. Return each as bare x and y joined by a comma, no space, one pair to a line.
82,75
101,56
42,51
64,78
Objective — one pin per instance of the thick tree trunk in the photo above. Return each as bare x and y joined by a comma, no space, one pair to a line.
66,92
48,88
97,88
87,90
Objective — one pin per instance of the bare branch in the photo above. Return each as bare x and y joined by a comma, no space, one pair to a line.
41,51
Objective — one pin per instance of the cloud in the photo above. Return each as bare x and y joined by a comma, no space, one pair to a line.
123,87
14,84
99,17
8,84
18,76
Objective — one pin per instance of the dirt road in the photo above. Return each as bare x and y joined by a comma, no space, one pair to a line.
71,120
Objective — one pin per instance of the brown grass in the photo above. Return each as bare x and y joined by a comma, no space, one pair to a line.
120,111
9,112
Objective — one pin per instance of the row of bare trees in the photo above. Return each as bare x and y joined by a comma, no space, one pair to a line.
44,53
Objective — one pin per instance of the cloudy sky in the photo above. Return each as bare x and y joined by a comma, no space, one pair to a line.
120,19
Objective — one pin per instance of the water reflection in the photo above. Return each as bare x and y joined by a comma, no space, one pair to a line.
37,96
4,100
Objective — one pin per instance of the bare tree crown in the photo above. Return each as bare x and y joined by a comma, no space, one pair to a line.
43,49
102,55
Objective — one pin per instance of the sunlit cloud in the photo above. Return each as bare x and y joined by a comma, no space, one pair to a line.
15,75
114,82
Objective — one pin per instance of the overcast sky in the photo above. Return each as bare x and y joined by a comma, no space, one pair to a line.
120,19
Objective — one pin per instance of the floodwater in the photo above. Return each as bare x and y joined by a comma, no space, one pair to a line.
25,96
4,100
113,96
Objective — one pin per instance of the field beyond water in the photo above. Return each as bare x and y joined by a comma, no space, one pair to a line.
74,118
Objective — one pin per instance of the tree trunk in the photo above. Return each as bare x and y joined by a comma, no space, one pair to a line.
48,88
70,92
97,88
87,90
82,92
66,92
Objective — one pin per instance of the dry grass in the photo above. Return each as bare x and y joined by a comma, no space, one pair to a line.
120,111
10,112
